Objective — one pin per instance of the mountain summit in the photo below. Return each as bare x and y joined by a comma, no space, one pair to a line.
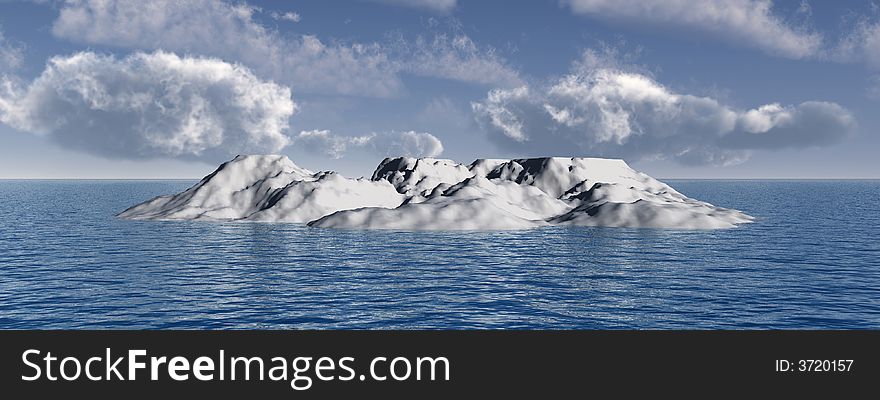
436,194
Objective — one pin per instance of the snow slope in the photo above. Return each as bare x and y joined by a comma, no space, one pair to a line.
267,188
436,194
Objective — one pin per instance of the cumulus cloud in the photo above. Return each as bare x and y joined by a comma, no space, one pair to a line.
438,6
304,62
749,21
810,124
386,144
615,113
229,31
151,105
410,144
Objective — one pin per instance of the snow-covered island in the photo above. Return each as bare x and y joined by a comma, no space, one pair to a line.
435,194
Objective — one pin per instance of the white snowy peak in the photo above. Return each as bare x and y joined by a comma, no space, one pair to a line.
436,194
266,188
413,176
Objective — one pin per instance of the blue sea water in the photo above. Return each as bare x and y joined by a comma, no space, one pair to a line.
811,260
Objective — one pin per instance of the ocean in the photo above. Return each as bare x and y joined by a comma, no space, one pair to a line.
810,261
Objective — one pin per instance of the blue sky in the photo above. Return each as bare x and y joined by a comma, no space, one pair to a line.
702,89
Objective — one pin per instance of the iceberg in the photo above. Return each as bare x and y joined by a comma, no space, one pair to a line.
436,194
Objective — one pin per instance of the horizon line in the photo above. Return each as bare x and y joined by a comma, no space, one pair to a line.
658,178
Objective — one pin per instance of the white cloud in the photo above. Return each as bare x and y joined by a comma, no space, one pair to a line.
809,124
304,62
612,112
862,44
10,55
286,16
151,105
438,6
459,58
409,143
228,31
503,113
386,144
764,118
750,21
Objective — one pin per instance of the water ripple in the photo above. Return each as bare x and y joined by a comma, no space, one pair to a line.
811,261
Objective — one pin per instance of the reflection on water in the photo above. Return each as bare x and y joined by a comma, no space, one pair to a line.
811,261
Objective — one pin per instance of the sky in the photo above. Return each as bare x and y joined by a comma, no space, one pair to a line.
739,89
